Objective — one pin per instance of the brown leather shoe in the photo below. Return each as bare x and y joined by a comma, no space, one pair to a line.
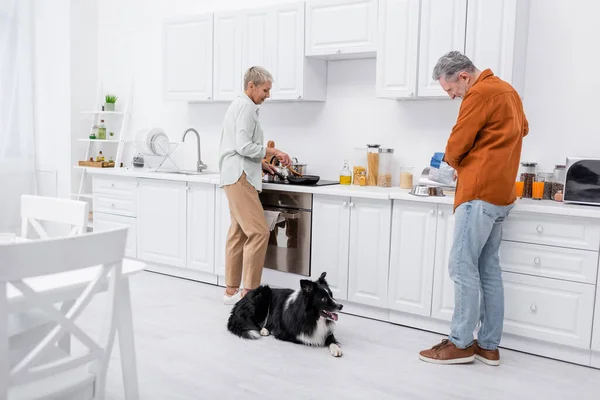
447,353
489,357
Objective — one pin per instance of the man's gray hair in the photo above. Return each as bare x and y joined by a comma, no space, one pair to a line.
451,64
257,75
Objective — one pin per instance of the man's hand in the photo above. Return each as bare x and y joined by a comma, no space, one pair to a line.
283,158
268,168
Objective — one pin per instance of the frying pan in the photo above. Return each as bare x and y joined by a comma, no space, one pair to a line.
304,180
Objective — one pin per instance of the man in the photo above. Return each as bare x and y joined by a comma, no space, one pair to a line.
484,148
241,156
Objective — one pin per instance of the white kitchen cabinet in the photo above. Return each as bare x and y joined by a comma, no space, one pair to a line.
227,76
105,222
397,48
548,309
596,329
273,37
188,58
443,287
201,227
442,30
412,254
161,222
330,242
368,261
341,28
222,223
496,38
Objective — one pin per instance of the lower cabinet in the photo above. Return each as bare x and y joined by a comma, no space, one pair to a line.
104,222
201,227
222,223
350,242
162,222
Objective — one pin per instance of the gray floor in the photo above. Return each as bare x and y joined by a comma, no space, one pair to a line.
185,352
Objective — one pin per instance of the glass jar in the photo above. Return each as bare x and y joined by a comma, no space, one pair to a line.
537,188
558,181
527,176
386,165
406,177
359,164
372,164
546,177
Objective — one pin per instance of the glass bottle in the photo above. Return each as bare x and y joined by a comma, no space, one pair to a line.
546,177
102,130
345,174
386,163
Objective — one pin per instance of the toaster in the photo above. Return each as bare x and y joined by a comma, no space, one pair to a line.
582,181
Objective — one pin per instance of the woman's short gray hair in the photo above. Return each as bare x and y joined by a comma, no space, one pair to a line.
257,75
451,64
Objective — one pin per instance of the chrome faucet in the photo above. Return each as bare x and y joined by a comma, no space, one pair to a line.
200,165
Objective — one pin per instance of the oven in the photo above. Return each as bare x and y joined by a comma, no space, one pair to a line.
289,240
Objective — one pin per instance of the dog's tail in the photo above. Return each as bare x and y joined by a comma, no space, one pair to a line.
249,312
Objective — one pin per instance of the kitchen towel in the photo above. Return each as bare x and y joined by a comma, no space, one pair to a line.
273,218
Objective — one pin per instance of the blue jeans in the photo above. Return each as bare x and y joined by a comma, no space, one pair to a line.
475,268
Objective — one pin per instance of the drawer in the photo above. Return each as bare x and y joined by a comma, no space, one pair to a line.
551,262
104,222
548,309
115,186
552,230
114,205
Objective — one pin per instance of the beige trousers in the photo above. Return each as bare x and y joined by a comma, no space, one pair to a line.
248,235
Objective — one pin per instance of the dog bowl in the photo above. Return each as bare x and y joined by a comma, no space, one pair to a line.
426,191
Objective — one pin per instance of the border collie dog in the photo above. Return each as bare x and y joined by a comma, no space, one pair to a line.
305,316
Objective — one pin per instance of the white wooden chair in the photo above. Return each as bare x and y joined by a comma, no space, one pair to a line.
52,209
25,266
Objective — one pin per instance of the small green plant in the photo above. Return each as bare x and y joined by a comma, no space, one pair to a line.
109,98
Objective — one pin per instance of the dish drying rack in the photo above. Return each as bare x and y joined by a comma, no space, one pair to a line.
156,150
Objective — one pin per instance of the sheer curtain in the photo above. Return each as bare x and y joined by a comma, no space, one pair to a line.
17,162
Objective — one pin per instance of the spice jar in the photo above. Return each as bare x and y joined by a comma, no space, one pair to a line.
527,176
558,181
546,177
386,164
372,164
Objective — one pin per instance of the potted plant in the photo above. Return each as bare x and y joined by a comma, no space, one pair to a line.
110,101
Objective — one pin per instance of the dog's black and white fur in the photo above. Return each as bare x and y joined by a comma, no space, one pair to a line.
305,316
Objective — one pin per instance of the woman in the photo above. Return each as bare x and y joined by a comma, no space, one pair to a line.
241,155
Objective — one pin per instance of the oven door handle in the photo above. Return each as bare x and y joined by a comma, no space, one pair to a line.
287,213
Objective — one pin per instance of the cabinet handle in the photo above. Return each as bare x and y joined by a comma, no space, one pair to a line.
432,212
351,204
112,205
279,202
533,308
345,203
536,261
299,97
187,188
208,97
540,229
412,94
137,184
339,51
440,213
112,185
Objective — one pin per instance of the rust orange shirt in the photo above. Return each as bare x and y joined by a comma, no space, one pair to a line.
485,144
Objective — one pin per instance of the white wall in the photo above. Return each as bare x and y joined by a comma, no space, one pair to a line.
558,93
52,95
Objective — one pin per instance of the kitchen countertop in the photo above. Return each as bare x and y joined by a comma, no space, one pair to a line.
521,205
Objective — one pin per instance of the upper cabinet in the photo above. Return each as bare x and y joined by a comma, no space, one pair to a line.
188,58
497,38
227,74
414,34
273,37
397,48
341,28
442,30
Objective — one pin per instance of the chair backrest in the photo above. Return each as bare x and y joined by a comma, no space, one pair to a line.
30,260
52,209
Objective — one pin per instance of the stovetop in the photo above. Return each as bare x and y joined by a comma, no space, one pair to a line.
321,182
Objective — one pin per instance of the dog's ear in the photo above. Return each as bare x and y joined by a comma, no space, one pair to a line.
322,278
306,285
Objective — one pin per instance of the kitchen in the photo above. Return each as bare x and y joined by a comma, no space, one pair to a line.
323,134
